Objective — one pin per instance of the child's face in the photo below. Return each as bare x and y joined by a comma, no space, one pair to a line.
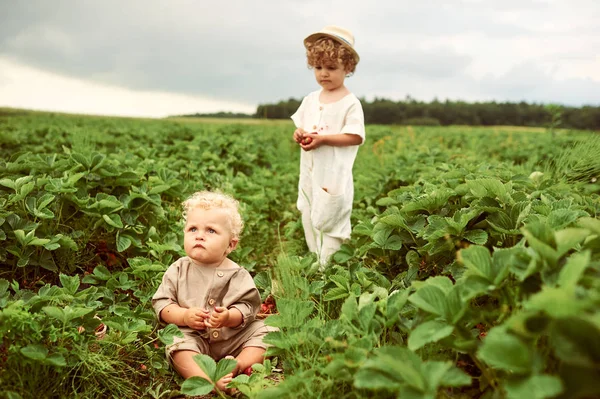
330,76
207,236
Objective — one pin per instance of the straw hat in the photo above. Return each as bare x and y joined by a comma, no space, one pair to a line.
341,35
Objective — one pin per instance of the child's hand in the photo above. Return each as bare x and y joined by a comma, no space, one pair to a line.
299,135
195,318
311,141
218,318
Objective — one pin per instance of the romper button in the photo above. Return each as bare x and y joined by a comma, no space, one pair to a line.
211,302
321,108
215,334
220,274
314,126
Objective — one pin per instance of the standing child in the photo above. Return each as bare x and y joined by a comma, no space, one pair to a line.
329,129
212,299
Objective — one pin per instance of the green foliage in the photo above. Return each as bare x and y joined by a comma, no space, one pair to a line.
470,272
214,371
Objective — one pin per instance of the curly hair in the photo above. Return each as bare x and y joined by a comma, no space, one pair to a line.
215,200
326,51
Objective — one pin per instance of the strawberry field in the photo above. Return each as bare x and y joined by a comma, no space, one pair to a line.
473,270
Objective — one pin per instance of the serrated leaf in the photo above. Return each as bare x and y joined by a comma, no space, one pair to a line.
534,387
224,367
478,237
336,293
430,331
505,351
113,220
123,242
159,189
35,352
429,298
56,359
69,283
168,334
196,386
572,271
207,364
455,377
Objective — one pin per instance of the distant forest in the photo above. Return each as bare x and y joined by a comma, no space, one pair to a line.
413,112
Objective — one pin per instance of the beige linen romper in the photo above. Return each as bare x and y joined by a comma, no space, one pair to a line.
189,285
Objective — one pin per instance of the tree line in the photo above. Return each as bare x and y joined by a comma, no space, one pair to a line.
413,112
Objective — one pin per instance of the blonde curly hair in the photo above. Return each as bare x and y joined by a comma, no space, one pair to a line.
326,51
216,200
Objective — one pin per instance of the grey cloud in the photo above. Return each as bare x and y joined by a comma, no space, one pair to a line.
527,82
252,52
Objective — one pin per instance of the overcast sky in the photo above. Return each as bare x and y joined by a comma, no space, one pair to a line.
158,58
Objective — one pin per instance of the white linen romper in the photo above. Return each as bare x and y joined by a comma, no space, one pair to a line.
326,214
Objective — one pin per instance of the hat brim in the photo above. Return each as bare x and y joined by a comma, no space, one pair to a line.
315,36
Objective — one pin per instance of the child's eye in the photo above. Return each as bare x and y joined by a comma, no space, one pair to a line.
192,229
211,231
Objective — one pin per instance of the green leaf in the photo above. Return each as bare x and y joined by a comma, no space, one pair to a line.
561,218
556,302
376,380
489,187
195,386
576,341
102,273
35,352
292,313
56,313
430,331
505,351
70,283
542,248
572,271
123,242
455,377
393,365
395,302
336,293
159,189
263,281
478,261
38,242
56,359
3,286
66,242
534,387
45,200
113,220
81,159
569,238
429,298
224,367
20,236
207,364
8,183
476,236
589,223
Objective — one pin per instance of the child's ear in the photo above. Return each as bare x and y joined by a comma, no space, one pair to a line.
232,245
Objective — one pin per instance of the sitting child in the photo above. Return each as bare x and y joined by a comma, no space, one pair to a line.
212,299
